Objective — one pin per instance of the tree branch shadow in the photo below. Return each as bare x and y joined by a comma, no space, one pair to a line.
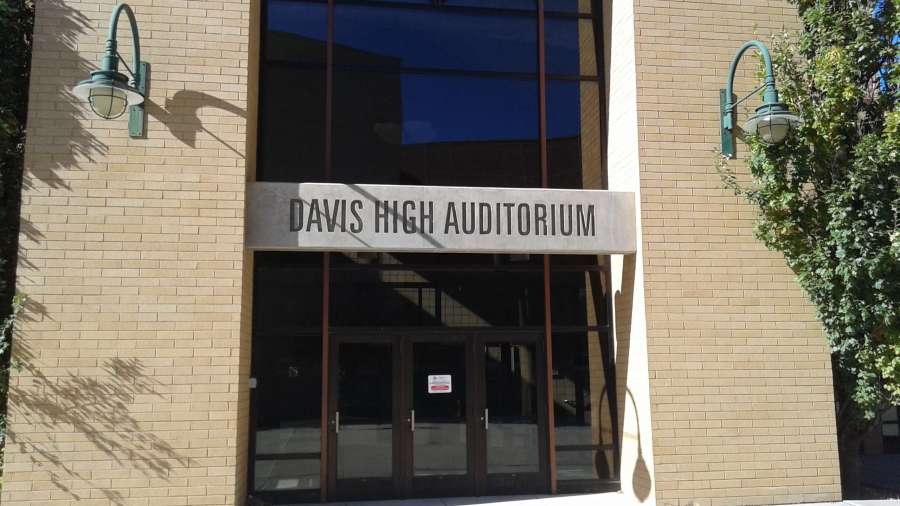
56,67
98,409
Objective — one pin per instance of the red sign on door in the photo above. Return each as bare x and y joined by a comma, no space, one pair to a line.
440,384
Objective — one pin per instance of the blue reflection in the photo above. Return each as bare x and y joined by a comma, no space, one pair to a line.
523,5
563,109
437,39
446,109
562,46
309,20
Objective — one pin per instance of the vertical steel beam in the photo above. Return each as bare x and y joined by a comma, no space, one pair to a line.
545,183
324,462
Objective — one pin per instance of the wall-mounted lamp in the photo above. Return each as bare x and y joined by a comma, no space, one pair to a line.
773,120
108,91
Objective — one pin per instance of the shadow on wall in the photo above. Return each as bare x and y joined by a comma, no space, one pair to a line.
97,409
181,117
56,68
641,481
56,411
55,119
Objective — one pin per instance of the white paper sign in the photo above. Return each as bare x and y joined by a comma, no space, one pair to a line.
440,384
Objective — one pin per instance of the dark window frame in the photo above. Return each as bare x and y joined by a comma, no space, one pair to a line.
327,266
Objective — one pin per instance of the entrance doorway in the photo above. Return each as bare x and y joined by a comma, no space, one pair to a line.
436,415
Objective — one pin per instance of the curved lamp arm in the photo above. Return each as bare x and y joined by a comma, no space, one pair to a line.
770,95
772,115
110,61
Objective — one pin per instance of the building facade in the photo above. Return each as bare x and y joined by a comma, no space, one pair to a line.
372,249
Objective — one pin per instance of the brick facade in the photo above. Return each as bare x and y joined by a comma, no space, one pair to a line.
131,253
740,375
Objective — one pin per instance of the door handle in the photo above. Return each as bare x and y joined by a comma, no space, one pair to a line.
412,420
486,419
337,422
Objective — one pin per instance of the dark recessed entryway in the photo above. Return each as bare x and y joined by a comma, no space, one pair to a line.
441,415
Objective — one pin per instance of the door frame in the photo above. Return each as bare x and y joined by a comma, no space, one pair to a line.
474,340
504,484
464,484
353,489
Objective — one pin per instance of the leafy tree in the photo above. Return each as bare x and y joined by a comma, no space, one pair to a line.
829,197
16,22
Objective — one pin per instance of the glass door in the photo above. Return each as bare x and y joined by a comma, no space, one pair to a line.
439,412
512,419
362,421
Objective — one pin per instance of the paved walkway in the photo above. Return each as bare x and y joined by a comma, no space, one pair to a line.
606,499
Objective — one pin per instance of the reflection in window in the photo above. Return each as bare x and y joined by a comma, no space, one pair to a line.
436,298
368,35
287,364
578,298
436,130
570,47
584,428
573,131
292,125
296,31
510,379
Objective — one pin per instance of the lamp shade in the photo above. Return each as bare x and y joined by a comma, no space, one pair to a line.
108,94
772,123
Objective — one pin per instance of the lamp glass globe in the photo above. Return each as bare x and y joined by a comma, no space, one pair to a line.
108,101
773,129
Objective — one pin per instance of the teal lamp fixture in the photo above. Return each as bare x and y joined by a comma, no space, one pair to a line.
773,120
108,91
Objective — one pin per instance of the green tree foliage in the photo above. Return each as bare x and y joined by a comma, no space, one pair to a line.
16,21
829,197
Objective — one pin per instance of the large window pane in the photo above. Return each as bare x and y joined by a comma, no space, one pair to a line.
510,379
439,438
436,298
297,31
435,130
570,46
584,464
517,5
288,295
578,298
292,125
365,403
433,38
584,428
573,134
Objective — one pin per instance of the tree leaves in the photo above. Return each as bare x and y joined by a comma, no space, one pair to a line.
829,197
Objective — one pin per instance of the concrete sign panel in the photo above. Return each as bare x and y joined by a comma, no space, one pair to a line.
448,219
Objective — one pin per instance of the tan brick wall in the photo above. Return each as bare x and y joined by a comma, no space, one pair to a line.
740,378
131,252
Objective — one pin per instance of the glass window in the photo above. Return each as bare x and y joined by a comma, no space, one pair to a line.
292,125
573,134
435,130
584,428
296,31
288,296
375,36
436,298
568,6
580,464
570,46
514,5
365,404
578,298
287,364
